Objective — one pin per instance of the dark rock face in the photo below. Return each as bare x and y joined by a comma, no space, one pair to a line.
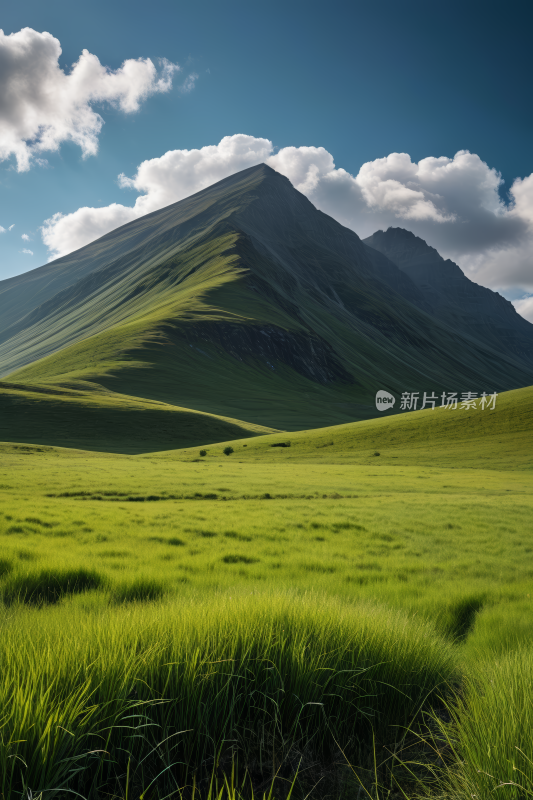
308,355
454,299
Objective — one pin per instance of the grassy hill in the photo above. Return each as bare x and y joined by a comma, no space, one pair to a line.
490,439
107,421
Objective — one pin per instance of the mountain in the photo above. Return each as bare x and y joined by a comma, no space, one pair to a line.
453,298
242,302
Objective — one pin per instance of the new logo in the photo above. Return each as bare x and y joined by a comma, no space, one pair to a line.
384,400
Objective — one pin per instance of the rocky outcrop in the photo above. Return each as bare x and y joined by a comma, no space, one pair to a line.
308,355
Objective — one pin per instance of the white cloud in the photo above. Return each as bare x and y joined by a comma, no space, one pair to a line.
395,185
42,106
25,237
28,252
2,230
64,233
452,203
11,227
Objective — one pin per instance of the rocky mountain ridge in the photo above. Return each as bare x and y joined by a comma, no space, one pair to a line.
452,298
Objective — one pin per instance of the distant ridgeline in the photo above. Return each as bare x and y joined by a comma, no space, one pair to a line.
243,306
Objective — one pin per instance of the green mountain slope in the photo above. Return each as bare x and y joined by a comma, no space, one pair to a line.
244,302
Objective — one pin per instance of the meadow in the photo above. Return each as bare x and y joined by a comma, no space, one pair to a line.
358,618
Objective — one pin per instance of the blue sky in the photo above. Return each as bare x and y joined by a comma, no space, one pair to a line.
361,80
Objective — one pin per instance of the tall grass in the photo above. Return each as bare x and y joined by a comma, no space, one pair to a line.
489,736
48,585
169,690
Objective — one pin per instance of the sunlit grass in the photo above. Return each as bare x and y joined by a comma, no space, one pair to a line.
490,732
263,673
451,551
145,596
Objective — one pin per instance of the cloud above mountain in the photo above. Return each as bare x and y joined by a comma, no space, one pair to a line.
42,106
453,203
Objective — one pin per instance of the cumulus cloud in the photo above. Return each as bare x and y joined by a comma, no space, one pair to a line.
180,173
42,106
2,230
28,252
64,233
25,237
395,185
452,203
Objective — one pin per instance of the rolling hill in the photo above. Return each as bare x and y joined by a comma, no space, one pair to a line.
107,421
242,302
498,439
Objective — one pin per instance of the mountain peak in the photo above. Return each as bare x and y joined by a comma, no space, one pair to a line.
259,172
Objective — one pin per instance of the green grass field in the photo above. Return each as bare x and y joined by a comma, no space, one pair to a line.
281,609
